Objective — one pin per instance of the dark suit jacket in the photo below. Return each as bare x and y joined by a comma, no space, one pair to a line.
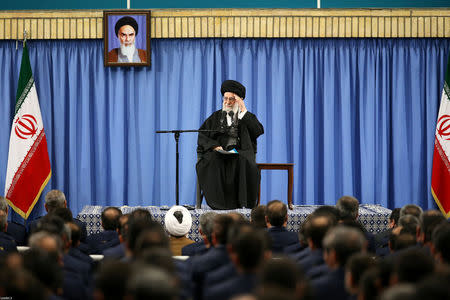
7,243
116,252
194,249
98,242
78,254
237,285
315,258
331,286
382,242
220,275
317,271
202,264
294,249
300,255
282,238
33,224
18,232
79,267
73,286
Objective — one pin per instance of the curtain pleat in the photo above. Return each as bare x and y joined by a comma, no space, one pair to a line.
355,116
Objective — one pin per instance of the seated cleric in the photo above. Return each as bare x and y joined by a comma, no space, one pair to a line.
229,181
126,31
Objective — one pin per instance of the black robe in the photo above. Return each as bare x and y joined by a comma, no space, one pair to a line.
229,181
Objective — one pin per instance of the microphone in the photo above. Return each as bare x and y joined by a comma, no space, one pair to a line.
231,114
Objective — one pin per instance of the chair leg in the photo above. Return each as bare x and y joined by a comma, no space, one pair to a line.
198,203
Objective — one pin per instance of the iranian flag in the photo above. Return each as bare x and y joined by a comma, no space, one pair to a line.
28,162
440,178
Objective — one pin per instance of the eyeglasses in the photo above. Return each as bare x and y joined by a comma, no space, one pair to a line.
232,99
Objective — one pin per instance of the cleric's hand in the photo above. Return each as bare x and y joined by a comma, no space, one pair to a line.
241,104
218,148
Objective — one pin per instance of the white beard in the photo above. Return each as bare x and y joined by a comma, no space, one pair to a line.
228,109
128,51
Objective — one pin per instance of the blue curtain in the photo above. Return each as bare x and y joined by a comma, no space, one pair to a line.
355,116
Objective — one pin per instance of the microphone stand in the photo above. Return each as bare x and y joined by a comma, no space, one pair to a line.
177,158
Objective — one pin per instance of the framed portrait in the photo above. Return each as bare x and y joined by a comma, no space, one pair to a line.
126,36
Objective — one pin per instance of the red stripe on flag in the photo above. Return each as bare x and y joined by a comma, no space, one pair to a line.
440,181
31,177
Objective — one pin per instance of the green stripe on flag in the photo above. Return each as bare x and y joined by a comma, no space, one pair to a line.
25,79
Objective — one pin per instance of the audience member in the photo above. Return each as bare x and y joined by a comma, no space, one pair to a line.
339,244
213,259
148,282
206,223
247,252
138,222
111,280
53,200
348,208
276,220
108,238
118,251
429,220
44,266
412,265
382,238
411,209
282,275
16,230
356,265
258,216
7,242
315,231
441,243
178,222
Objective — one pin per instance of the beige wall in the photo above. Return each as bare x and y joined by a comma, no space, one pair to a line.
241,23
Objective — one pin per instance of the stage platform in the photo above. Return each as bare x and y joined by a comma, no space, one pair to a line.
375,218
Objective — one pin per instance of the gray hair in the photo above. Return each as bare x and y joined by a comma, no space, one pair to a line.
37,240
3,204
55,199
151,283
348,207
409,223
345,241
411,209
207,224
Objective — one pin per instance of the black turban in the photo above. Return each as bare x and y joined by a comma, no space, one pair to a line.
233,87
126,21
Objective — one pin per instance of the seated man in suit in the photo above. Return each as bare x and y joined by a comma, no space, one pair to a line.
17,231
107,238
7,243
53,200
315,231
248,250
348,207
205,229
382,238
216,257
339,244
276,219
118,251
74,284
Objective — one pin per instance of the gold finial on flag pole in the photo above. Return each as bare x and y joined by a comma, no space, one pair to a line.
25,33
24,37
